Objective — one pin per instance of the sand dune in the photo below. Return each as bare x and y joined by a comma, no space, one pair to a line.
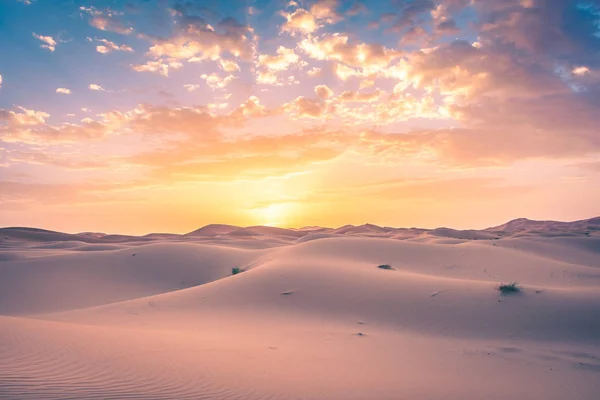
312,316
82,279
213,230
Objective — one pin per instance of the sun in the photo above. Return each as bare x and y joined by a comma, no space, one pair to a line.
275,214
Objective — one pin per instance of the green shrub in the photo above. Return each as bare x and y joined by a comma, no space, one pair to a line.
237,270
385,266
509,288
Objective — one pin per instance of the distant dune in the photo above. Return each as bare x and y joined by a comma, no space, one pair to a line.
215,231
310,315
524,224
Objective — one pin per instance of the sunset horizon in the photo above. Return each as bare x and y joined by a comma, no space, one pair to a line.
308,226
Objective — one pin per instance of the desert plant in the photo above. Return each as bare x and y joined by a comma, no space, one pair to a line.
237,270
509,288
385,266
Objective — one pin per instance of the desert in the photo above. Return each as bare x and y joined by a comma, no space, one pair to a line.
309,313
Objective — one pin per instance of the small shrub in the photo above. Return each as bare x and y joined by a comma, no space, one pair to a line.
237,270
509,288
385,266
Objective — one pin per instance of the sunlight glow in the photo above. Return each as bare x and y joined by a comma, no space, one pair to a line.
275,214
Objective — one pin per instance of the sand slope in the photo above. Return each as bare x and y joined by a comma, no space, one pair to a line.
311,318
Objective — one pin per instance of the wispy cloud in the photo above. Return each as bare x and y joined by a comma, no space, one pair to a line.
49,42
96,87
106,20
107,46
160,67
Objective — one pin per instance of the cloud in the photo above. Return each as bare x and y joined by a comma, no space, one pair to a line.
326,10
303,107
269,66
414,35
214,81
229,65
507,97
109,46
191,87
314,71
300,21
251,108
267,78
500,132
410,10
23,117
447,26
308,21
367,83
323,92
30,126
443,20
581,70
463,72
360,58
565,30
49,42
96,87
211,106
377,108
66,161
106,20
196,149
161,67
283,60
108,24
63,91
1,80
218,159
195,128
350,96
195,40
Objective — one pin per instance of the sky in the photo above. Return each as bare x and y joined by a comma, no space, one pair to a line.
166,115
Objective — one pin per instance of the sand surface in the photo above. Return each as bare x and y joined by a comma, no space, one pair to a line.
94,316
